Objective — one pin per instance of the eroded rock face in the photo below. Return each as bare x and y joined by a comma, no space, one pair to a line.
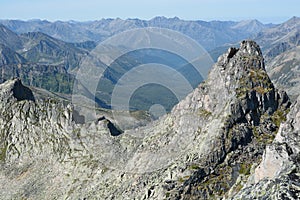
207,147
240,104
278,174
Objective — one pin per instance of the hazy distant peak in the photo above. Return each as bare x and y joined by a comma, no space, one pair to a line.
254,26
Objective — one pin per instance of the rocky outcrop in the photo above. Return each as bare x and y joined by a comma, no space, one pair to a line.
278,174
44,147
207,147
241,107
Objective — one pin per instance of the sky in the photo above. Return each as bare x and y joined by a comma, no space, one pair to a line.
266,11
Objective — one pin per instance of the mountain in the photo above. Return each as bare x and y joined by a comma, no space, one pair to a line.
273,39
50,77
280,38
9,38
209,34
284,71
146,95
41,48
216,36
280,45
250,26
40,60
10,57
209,146
52,64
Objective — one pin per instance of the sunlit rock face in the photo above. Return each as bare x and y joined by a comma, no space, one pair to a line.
211,145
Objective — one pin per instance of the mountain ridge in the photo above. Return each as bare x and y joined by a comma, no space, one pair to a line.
216,31
205,148
46,50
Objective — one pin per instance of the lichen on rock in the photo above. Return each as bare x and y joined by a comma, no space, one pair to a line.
210,146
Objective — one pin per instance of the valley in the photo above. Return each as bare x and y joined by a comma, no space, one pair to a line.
223,124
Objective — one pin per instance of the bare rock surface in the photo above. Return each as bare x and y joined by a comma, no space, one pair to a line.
211,145
278,174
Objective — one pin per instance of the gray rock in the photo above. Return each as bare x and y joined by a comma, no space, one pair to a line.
278,174
207,147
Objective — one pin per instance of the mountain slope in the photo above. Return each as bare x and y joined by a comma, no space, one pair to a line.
203,149
42,48
9,57
284,70
39,60
250,26
278,174
51,64
9,38
280,38
281,50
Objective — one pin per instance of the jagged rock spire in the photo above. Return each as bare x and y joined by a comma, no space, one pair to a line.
205,148
15,89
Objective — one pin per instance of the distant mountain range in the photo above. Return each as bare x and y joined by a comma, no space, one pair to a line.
281,47
280,38
234,137
209,34
44,53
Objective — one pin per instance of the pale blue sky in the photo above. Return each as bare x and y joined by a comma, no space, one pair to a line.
275,11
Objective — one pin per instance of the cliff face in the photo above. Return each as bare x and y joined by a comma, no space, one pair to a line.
278,174
211,145
240,112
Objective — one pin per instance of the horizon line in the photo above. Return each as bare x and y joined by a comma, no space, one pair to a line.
142,19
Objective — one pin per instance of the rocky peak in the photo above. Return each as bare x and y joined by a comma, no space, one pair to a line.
247,48
14,88
250,47
206,148
235,112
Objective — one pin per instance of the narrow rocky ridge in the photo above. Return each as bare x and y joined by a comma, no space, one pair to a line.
208,147
241,109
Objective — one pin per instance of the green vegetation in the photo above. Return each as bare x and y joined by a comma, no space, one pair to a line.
259,75
262,90
256,79
61,83
263,138
279,116
146,96
51,78
183,179
205,113
219,183
245,168
194,167
3,151
167,194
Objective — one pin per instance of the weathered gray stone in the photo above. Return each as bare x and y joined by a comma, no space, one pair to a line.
207,147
